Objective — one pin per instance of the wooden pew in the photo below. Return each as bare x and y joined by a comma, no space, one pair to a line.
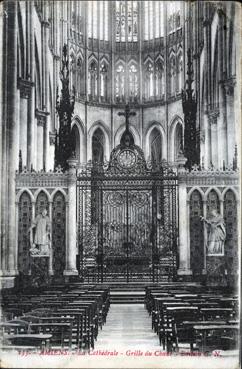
210,337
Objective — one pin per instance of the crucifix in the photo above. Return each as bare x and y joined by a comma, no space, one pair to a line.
127,113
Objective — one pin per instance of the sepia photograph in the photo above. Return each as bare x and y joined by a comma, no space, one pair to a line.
120,157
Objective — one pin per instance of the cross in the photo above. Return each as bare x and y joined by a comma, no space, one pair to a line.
127,113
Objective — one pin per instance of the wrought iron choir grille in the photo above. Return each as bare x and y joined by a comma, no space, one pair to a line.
127,219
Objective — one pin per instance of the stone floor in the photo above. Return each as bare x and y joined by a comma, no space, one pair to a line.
128,326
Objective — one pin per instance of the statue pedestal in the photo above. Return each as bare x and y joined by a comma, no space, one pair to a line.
41,269
216,271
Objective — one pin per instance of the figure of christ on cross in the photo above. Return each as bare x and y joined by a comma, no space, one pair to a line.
127,113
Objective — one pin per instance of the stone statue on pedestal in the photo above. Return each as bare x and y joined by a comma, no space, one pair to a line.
216,234
40,238
40,241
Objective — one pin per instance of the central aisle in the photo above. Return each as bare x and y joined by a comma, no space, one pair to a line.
128,326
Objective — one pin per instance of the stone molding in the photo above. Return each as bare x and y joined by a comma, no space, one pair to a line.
229,85
25,87
210,177
41,117
32,179
52,136
213,115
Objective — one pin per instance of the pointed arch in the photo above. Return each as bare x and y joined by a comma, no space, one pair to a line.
148,59
196,231
120,131
213,200
179,70
72,64
172,73
78,132
230,188
173,139
155,125
92,78
98,141
210,189
159,78
56,190
149,79
120,80
107,139
42,189
27,190
133,80
103,75
196,188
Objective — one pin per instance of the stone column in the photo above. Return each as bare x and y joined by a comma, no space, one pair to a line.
41,138
222,119
71,236
229,85
31,101
207,142
10,162
212,116
50,266
204,271
184,244
23,112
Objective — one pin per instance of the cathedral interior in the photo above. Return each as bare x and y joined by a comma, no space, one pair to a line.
120,146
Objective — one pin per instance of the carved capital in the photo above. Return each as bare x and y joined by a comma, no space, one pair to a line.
213,115
72,163
25,87
229,86
52,138
41,117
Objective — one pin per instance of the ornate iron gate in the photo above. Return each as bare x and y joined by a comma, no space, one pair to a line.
127,219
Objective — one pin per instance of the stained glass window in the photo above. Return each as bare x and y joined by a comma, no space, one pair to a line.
103,81
153,19
92,76
98,19
126,21
173,15
159,80
179,71
172,74
132,21
149,80
133,82
119,86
